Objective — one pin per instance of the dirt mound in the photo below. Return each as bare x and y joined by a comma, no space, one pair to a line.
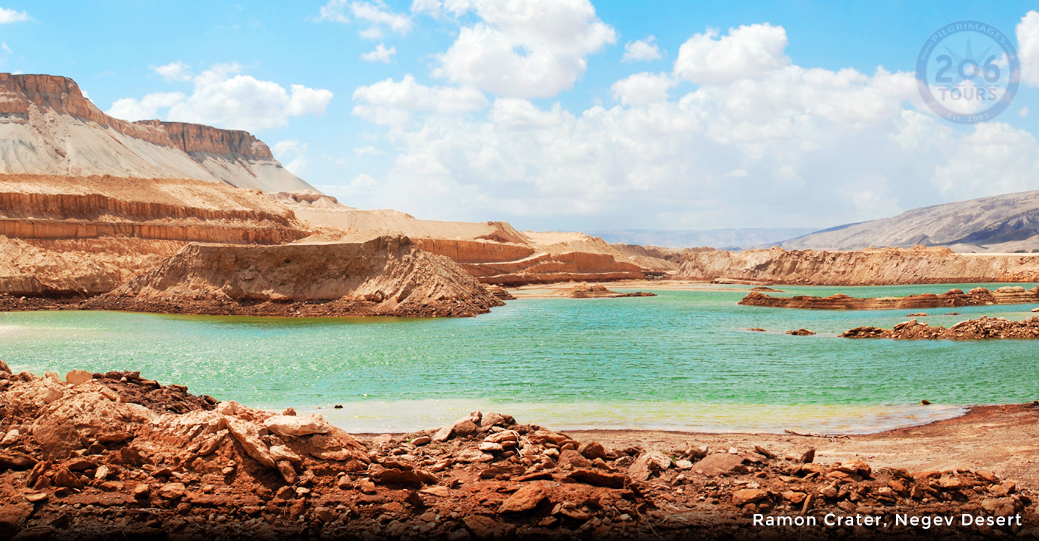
121,470
386,276
888,266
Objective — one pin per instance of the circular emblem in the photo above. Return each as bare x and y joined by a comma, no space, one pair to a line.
968,72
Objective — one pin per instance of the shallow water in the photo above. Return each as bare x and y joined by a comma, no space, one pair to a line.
683,360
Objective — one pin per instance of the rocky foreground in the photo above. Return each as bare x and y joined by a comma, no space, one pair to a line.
983,328
99,456
978,296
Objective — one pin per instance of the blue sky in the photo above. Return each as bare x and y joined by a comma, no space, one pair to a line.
530,111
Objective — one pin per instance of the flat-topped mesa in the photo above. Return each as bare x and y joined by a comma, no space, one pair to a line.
193,138
385,276
47,126
978,296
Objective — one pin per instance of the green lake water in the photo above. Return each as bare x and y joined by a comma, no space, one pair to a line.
683,361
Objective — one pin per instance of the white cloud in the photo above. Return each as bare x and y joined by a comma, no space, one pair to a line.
642,88
147,108
372,33
736,173
380,54
1028,48
292,154
747,51
524,48
641,51
1023,112
391,103
12,16
224,98
428,7
368,150
174,71
377,13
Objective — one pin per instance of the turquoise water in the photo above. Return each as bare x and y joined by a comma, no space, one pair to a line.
682,360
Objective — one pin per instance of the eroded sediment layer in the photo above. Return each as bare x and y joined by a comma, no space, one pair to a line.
386,276
888,266
978,296
114,456
983,328
47,126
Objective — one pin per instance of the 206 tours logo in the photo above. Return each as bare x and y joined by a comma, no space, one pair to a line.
968,72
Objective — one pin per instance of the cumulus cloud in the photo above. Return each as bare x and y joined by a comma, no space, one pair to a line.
11,16
175,71
380,54
523,48
376,13
643,50
391,103
225,98
1028,48
292,154
642,88
745,52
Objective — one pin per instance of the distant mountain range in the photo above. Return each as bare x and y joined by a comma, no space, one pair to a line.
1001,223
728,239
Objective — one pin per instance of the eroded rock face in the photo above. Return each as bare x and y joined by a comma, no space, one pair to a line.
384,276
887,266
54,129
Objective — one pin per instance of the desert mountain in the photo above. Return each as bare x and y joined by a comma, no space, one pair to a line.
48,127
1001,223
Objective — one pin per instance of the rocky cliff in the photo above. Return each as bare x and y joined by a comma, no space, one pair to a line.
889,266
387,276
47,126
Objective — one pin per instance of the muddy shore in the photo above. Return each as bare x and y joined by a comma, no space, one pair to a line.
106,456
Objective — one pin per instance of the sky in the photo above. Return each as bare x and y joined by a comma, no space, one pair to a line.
562,114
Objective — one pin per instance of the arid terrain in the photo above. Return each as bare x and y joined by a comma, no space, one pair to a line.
96,455
978,296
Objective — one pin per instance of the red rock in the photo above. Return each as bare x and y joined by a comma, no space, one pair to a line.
598,478
525,499
748,495
592,450
484,528
719,464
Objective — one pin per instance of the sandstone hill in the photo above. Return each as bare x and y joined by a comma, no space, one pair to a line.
1001,223
888,266
386,276
48,127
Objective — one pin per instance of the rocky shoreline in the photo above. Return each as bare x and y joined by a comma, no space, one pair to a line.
978,296
983,328
97,456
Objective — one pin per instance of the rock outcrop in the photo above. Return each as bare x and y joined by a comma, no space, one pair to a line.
596,291
983,328
978,296
47,126
386,276
888,266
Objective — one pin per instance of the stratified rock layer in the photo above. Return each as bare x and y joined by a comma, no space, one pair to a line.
983,328
386,276
47,126
888,266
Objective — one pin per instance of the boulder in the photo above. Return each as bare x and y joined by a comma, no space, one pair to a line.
719,464
525,499
292,425
172,491
647,463
748,495
4,369
13,517
592,450
598,478
248,435
76,377
573,459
